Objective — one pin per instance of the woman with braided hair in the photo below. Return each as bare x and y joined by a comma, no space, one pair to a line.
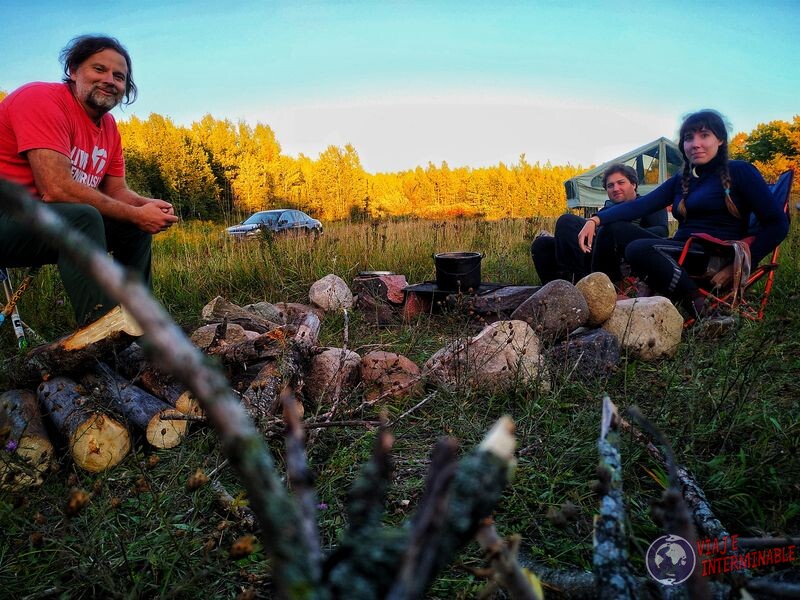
713,195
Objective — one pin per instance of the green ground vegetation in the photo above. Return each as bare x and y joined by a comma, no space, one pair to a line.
729,406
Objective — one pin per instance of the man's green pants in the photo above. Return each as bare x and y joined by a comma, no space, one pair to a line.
129,245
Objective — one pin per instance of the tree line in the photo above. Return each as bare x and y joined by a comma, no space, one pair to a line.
216,168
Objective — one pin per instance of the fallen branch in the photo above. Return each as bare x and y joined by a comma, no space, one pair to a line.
676,517
419,558
612,568
520,583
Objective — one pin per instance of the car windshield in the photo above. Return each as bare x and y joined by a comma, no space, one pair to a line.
260,218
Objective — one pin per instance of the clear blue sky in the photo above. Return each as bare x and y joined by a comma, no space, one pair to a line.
472,83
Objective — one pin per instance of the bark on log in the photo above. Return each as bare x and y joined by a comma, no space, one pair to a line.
95,342
219,309
262,398
137,407
96,440
308,330
267,345
133,364
28,449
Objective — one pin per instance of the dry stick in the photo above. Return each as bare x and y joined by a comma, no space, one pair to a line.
367,494
677,520
328,416
323,425
241,442
301,479
693,494
228,503
419,404
420,553
612,569
502,556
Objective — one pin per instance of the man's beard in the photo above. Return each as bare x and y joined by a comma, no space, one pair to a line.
97,100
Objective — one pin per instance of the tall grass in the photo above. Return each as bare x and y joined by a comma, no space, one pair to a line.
729,406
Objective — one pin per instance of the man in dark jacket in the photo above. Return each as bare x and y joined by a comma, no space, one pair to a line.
559,257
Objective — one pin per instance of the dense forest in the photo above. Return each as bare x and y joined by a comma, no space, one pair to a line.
215,168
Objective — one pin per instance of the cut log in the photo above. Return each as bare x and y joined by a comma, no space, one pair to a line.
267,345
95,342
133,364
137,407
308,327
28,449
262,398
219,309
96,441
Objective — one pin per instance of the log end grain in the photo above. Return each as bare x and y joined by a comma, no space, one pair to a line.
186,404
99,443
162,432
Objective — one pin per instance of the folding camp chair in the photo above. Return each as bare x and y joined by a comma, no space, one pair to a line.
742,298
9,309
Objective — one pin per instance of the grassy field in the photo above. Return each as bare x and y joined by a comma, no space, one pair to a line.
729,406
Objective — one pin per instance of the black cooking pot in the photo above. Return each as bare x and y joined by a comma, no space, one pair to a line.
458,271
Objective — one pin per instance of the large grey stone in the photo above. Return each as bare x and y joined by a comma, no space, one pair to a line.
592,355
330,293
555,310
647,328
501,354
203,336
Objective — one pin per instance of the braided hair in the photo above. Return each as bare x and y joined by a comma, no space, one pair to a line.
714,122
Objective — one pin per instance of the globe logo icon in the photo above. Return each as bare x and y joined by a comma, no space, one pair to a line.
670,560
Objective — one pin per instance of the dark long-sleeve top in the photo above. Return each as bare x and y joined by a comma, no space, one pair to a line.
706,211
656,222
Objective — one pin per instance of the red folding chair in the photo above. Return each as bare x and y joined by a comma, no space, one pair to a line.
745,299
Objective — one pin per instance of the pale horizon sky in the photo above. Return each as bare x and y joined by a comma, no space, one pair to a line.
407,83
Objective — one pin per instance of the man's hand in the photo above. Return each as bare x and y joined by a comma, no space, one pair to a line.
165,206
586,234
153,217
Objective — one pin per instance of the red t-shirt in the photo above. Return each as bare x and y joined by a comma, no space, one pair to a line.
47,115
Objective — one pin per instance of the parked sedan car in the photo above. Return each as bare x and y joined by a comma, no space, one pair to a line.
281,220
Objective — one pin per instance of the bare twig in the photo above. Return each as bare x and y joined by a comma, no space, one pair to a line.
367,495
301,478
677,520
420,554
506,568
611,565
419,404
324,424
693,494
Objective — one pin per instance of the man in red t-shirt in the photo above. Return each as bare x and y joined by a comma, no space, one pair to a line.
60,141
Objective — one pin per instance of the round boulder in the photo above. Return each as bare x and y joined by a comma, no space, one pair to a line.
600,296
330,293
554,310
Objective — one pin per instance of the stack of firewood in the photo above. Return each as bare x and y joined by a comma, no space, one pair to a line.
264,348
97,390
